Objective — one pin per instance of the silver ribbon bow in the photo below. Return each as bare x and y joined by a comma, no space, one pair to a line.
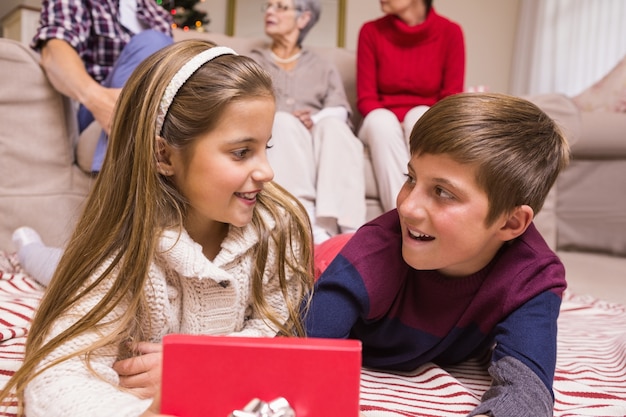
256,408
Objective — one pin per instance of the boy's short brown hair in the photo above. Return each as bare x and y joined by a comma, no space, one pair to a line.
518,149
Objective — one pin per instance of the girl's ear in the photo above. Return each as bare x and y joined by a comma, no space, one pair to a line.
164,154
517,222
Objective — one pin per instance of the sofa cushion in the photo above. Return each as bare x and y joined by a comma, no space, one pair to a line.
591,207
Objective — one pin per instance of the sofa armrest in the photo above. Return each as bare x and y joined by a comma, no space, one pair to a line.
33,116
603,136
40,186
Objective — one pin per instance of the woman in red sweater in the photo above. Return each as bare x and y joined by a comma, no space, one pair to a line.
407,60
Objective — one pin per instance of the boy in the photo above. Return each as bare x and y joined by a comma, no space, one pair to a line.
459,267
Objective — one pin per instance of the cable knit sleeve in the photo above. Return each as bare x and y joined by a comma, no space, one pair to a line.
69,388
366,77
453,81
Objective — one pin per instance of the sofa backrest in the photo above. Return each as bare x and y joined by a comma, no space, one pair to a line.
343,59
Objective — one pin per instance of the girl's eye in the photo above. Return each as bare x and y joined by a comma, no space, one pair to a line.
443,193
241,153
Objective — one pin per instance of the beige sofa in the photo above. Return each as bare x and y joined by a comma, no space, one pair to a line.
43,186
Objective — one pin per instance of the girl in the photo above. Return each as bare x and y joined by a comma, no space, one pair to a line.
182,233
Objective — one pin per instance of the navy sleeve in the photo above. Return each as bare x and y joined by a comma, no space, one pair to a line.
524,360
339,299
529,335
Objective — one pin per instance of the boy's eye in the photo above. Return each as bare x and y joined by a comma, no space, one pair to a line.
441,192
409,179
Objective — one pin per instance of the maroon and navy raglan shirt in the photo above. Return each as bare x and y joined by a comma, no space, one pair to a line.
407,317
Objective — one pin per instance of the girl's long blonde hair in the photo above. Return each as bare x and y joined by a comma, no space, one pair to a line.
131,204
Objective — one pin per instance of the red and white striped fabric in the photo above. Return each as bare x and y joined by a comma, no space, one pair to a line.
19,297
590,378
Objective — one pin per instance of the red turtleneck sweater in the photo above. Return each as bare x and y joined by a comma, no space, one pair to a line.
400,66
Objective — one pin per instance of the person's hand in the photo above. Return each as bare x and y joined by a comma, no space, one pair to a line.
101,103
141,374
305,117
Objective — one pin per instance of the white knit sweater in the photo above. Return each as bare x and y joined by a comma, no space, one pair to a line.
187,293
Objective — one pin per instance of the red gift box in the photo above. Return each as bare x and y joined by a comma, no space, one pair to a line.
211,376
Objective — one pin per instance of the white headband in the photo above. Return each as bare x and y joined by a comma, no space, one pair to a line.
182,76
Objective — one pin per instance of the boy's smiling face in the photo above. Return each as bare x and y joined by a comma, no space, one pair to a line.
442,212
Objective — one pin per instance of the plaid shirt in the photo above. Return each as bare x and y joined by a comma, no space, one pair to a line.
94,30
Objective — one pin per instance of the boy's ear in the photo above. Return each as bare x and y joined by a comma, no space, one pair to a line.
163,154
517,222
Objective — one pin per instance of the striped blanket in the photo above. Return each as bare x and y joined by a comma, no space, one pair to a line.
590,377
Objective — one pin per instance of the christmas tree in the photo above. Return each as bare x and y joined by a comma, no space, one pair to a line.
185,14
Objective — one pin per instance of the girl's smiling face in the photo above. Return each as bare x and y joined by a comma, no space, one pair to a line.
442,213
222,173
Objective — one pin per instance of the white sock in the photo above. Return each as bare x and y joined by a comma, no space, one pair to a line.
38,260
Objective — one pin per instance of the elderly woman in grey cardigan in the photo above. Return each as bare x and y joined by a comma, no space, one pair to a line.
315,154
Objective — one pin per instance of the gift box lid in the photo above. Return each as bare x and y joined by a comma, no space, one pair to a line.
211,376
